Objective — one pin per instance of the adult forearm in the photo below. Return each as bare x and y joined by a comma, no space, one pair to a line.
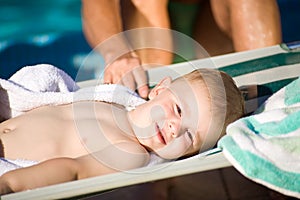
151,37
101,24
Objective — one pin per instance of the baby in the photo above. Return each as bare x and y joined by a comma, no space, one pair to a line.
85,139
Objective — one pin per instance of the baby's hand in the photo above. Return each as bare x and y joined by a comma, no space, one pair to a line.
4,185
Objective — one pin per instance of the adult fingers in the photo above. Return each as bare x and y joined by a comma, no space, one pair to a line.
117,78
107,77
112,76
141,79
143,91
128,81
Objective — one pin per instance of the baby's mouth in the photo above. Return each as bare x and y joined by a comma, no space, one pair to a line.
160,135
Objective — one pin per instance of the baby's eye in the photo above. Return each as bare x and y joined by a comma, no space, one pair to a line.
178,110
190,135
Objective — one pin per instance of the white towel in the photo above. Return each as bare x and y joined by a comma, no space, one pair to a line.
40,85
8,165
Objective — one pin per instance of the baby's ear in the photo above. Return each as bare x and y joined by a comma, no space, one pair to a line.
162,85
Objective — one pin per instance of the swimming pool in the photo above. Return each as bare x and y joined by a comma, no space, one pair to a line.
23,19
44,31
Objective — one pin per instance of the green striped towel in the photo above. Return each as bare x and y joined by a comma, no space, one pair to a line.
265,147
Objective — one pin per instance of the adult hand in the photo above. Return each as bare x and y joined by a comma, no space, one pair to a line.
127,70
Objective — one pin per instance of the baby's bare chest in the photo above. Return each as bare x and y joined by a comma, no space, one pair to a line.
70,130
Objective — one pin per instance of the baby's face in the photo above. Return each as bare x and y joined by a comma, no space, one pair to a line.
172,123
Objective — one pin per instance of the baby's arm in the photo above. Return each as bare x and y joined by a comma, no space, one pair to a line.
46,173
123,156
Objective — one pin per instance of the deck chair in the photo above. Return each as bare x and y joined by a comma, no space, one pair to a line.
263,70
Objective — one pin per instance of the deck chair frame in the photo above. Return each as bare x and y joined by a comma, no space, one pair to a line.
255,73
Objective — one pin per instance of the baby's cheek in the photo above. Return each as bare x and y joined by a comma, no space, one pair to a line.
158,114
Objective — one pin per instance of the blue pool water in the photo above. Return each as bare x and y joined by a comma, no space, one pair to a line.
50,31
34,32
21,19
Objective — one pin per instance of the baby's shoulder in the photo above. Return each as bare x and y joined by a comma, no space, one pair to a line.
130,155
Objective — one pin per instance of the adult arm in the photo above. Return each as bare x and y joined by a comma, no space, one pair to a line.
103,27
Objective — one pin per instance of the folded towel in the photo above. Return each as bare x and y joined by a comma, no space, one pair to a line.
40,85
265,147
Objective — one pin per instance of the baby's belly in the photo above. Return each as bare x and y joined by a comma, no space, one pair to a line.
39,136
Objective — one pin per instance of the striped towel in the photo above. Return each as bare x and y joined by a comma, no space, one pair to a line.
265,146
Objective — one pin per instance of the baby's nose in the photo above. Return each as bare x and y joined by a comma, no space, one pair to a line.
174,129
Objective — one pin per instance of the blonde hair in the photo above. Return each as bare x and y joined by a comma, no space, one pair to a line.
227,103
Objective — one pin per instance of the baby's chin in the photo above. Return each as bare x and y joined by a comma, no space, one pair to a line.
168,155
